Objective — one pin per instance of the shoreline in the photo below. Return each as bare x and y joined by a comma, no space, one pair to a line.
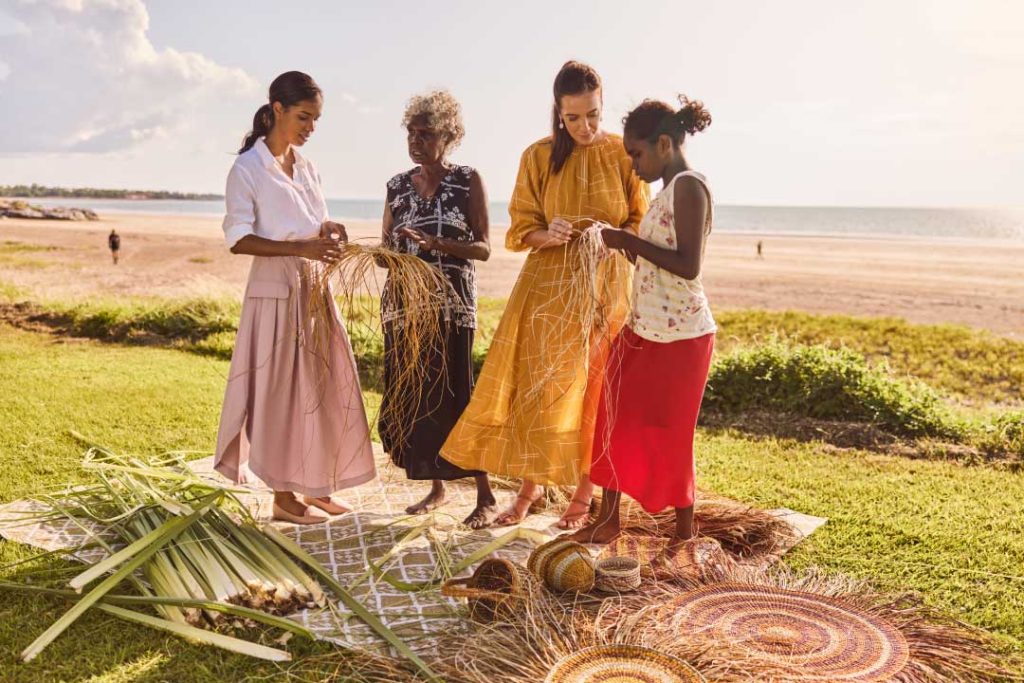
500,219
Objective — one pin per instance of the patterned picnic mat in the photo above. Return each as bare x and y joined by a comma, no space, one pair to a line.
345,544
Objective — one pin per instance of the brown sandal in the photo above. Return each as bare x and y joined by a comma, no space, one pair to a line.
576,521
511,516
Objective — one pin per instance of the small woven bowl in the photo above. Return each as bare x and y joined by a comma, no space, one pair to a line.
617,575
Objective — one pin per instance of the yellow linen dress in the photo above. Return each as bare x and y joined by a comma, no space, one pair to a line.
533,410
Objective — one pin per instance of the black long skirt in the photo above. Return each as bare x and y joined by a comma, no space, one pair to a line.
448,386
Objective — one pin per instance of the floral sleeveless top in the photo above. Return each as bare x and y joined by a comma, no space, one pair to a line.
667,307
446,215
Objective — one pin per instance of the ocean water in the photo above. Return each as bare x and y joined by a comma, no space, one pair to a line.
982,223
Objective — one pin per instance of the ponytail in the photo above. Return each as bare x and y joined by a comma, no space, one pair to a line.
289,89
653,118
261,125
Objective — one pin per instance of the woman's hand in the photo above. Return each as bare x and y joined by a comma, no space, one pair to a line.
425,241
559,232
617,238
335,231
323,249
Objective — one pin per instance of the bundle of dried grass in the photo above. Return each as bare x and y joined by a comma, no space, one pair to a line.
418,298
745,532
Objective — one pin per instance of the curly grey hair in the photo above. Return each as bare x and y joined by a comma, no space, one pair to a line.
443,113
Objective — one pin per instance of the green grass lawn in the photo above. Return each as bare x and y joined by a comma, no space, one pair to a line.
958,388
974,368
954,533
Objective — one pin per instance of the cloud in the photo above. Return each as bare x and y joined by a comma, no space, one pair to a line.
82,76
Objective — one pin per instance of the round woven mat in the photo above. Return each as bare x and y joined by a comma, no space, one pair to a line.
621,664
820,636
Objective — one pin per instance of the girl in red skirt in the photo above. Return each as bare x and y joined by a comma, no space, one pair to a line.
655,377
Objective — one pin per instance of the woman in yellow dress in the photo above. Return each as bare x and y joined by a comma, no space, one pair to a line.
533,411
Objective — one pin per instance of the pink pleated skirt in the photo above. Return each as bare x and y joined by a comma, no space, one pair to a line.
293,414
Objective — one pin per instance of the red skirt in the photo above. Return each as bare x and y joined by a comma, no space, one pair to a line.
643,444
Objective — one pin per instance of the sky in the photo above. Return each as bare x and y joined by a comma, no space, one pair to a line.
814,102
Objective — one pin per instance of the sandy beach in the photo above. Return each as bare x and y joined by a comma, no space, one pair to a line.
980,284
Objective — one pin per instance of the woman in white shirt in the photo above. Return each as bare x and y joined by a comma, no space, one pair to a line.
292,417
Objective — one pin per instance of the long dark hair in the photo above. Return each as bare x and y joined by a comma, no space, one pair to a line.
289,89
574,78
654,118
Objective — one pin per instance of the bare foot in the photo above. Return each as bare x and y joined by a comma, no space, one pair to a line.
519,509
480,517
433,501
597,532
675,544
576,514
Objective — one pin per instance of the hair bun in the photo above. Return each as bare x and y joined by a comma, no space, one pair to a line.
692,117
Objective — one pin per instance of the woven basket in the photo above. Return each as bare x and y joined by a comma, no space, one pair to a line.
824,638
617,575
564,566
495,590
622,664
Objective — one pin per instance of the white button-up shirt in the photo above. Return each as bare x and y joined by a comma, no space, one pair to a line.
262,200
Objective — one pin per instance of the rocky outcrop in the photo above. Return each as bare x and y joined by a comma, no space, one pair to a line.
21,209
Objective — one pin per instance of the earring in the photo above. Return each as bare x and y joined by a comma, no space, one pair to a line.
561,124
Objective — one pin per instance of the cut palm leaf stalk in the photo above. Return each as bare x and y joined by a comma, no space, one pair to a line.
238,611
351,603
215,555
199,635
173,528
110,562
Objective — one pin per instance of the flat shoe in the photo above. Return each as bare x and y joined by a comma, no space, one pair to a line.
311,516
332,506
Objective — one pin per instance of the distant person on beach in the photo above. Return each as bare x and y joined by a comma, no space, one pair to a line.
114,242
533,409
760,249
438,212
658,366
299,427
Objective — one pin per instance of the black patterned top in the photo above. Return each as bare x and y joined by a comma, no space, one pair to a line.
446,215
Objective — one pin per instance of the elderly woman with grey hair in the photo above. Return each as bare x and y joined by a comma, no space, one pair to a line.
438,212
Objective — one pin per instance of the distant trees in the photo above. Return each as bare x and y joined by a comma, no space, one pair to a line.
35,190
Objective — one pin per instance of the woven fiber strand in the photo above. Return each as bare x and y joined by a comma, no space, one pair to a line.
822,637
621,664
